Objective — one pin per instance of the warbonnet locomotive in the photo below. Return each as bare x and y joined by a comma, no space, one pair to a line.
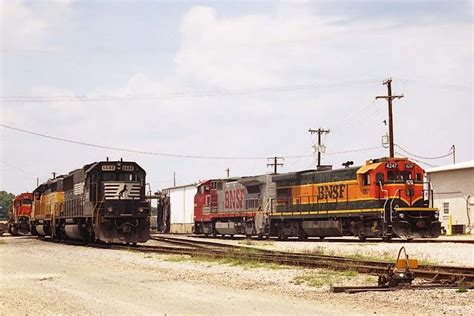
19,220
103,201
384,198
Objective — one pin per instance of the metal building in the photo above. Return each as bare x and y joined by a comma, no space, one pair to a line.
453,189
179,210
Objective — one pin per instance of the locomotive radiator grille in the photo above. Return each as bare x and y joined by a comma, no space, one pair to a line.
122,190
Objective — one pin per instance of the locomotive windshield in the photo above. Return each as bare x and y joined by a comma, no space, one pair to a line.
114,176
26,202
402,176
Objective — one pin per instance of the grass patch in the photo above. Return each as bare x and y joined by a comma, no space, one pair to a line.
247,242
461,288
2,242
323,278
235,259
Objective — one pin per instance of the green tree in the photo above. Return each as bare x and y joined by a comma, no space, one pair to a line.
5,204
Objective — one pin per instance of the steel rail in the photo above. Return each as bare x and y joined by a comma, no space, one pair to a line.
439,272
355,240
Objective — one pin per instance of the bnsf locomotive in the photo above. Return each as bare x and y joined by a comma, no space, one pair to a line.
384,198
19,220
102,201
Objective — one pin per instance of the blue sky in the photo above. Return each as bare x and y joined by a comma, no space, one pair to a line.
75,49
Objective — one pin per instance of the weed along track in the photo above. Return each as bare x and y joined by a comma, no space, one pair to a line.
217,250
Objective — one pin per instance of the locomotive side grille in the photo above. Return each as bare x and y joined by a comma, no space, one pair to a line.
122,190
79,188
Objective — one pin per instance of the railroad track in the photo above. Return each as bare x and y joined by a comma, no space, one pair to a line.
355,240
176,246
443,273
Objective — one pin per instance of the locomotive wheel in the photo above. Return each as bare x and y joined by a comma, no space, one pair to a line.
362,238
386,238
14,231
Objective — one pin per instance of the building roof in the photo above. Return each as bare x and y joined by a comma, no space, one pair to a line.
457,166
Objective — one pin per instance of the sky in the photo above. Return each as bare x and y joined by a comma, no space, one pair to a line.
229,79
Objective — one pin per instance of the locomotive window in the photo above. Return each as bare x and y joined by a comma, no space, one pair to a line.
419,177
405,175
393,175
219,186
253,189
380,177
366,179
26,202
107,177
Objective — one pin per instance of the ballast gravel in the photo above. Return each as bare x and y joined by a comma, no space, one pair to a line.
39,278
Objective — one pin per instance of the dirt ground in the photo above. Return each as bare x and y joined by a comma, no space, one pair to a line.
39,277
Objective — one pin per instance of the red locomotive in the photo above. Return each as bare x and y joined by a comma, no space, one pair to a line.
19,221
384,198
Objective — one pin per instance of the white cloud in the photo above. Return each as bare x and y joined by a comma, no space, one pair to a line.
290,46
25,27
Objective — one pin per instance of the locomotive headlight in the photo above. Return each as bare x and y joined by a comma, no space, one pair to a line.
436,215
109,209
141,209
401,215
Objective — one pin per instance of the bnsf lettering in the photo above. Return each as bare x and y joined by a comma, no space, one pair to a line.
331,191
234,199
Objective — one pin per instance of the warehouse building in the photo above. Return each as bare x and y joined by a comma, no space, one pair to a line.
453,195
178,209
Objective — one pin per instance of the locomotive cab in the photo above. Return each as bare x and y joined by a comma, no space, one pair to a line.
19,221
398,185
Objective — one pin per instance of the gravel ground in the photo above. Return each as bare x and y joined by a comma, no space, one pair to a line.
48,278
430,253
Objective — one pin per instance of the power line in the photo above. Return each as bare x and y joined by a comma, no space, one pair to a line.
421,157
35,99
167,154
438,85
123,149
423,162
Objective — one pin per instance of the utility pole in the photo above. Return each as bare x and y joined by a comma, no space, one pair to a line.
54,175
227,171
37,182
453,150
174,178
275,163
389,97
319,131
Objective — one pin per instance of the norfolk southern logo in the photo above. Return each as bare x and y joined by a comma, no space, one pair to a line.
122,190
123,193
